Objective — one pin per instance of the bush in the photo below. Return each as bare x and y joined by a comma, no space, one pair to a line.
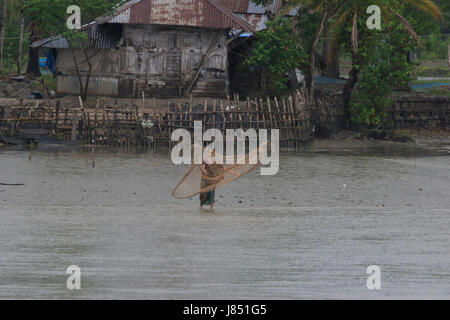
386,68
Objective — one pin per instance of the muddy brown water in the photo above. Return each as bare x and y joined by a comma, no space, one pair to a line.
309,232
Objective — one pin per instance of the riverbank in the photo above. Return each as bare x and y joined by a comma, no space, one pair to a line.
432,142
423,142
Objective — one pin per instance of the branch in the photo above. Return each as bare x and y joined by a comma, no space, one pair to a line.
408,27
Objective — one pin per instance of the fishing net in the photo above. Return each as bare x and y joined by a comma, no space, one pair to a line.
196,180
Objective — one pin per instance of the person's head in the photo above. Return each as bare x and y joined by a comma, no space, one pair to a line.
210,157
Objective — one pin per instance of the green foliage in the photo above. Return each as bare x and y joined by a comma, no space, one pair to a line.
52,14
11,48
385,66
276,54
49,81
444,5
435,47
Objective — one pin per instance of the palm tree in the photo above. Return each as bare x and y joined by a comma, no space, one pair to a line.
339,12
325,10
389,13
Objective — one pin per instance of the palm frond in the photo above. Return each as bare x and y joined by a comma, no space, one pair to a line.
341,19
428,7
355,33
407,27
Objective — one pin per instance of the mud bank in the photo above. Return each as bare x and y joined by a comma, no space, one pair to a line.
420,142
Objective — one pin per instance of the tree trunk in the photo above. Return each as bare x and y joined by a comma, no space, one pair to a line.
327,43
310,83
332,56
22,28
2,31
348,89
88,76
77,70
33,54
357,60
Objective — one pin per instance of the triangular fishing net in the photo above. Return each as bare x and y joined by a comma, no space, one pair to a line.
195,181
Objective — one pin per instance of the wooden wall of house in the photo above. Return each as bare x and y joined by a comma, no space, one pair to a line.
165,59
157,60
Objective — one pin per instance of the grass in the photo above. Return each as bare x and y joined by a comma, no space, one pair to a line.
433,72
429,81
438,91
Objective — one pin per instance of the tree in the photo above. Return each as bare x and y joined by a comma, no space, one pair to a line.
346,21
2,31
276,53
330,51
385,66
313,18
22,30
33,53
51,18
391,11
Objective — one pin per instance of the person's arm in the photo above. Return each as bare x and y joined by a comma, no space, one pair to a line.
222,172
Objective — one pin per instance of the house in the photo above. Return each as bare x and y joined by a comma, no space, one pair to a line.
157,47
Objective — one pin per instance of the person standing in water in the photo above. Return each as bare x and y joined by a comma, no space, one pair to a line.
211,174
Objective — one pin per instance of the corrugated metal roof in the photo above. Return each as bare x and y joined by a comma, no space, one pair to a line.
238,14
235,5
254,8
100,37
258,21
104,36
250,7
53,42
195,13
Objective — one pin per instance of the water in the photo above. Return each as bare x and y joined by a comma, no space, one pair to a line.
419,86
309,232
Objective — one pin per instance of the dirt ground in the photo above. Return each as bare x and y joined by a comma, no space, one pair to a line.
10,88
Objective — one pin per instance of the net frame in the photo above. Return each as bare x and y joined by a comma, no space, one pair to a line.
232,172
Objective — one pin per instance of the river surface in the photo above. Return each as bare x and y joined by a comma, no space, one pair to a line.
309,232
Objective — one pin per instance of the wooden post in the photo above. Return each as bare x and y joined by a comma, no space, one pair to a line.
214,113
73,135
191,122
57,116
249,119
278,119
143,104
181,114
285,123
224,121
262,112
270,112
205,106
